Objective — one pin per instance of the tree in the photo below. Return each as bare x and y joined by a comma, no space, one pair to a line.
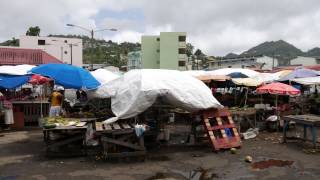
189,49
200,57
13,42
33,31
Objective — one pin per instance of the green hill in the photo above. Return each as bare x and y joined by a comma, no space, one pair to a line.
313,52
282,50
103,51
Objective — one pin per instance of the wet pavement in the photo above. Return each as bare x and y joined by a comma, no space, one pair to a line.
22,157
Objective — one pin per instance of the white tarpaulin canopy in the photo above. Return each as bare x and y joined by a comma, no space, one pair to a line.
137,90
224,72
308,80
16,70
104,76
196,73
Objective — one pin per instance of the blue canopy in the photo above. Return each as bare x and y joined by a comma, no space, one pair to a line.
12,81
67,76
237,75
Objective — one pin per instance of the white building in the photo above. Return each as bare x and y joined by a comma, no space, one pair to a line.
304,61
267,63
68,50
260,62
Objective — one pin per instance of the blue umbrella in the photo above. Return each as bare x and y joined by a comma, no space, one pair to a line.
299,73
237,75
67,76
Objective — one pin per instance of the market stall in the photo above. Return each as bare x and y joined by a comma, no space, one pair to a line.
67,136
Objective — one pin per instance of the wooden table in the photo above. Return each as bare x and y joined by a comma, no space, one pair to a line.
244,113
119,140
307,120
72,134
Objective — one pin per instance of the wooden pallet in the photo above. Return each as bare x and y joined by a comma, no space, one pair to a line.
221,129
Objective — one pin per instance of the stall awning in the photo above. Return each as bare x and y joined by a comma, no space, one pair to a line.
307,80
247,82
208,78
11,81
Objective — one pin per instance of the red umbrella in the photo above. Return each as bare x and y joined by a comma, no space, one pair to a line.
37,79
278,89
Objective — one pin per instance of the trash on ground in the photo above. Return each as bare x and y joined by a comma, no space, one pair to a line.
233,150
251,133
248,159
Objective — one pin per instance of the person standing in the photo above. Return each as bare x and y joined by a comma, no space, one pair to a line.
56,100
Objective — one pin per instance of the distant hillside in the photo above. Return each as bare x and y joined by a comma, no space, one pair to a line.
313,52
231,55
280,49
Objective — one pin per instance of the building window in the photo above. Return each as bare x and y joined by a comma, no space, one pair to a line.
65,52
158,39
182,50
182,63
158,62
65,41
158,50
182,38
41,42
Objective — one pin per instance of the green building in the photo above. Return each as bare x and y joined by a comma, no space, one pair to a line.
167,51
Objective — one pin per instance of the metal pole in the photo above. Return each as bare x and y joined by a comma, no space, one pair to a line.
61,53
272,61
71,53
92,33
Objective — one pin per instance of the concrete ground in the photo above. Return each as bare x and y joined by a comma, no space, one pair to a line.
22,157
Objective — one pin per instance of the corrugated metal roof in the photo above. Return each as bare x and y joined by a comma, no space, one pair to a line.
16,56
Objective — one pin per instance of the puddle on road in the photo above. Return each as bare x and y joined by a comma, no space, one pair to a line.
271,163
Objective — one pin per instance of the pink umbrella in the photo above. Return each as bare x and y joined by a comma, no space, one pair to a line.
278,89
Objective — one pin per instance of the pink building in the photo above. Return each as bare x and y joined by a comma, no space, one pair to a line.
16,56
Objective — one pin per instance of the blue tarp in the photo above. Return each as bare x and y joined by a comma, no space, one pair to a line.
11,81
67,76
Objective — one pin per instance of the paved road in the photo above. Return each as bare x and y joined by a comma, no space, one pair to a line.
22,157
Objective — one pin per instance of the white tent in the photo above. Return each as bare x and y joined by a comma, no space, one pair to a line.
104,76
308,80
195,73
16,70
137,90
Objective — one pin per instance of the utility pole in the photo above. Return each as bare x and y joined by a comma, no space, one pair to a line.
91,31
273,61
91,53
71,53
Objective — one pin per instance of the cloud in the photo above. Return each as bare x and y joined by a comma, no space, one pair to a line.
216,26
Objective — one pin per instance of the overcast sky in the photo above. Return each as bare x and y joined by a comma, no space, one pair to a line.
215,26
